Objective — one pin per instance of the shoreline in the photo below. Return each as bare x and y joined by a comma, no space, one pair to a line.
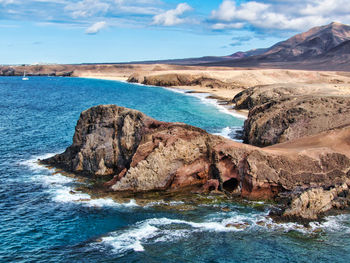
222,97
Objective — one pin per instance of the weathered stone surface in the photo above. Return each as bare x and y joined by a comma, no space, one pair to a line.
170,80
314,202
141,153
258,95
136,153
295,117
280,113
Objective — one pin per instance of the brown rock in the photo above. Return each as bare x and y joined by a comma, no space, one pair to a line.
279,113
173,79
134,153
314,202
294,118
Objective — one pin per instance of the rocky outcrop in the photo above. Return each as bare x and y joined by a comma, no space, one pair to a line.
280,113
314,202
135,153
38,70
171,80
141,153
295,117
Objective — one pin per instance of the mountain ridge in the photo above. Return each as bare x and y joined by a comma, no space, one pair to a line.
320,48
314,49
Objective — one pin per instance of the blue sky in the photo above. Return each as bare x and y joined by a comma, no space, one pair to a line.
78,31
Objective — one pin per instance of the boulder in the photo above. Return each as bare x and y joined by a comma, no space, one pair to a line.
314,202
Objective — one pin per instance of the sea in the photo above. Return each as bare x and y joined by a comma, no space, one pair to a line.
44,217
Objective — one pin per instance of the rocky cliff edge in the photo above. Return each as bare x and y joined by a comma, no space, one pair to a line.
133,152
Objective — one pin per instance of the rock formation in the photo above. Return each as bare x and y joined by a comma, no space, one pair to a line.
172,80
133,152
279,113
315,201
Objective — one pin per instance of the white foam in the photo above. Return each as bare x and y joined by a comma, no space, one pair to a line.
163,203
222,108
229,132
333,224
62,194
103,202
61,188
52,179
182,91
33,163
131,239
156,230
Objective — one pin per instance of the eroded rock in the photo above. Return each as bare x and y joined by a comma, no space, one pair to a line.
135,153
312,203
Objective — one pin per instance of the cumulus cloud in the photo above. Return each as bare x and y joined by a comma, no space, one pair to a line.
228,11
95,28
282,15
172,17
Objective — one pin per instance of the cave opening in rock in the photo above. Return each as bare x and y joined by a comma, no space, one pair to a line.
212,188
230,185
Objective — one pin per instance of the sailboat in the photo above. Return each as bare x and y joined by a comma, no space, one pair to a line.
24,76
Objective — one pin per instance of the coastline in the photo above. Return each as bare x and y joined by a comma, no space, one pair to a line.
222,97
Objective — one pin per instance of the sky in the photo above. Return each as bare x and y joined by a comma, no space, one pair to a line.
103,31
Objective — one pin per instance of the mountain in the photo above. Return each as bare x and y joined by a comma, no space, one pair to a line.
316,41
206,59
320,48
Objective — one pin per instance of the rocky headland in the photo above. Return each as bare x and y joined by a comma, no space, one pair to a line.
131,152
297,132
280,113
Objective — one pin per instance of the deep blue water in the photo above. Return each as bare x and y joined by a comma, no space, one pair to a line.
41,221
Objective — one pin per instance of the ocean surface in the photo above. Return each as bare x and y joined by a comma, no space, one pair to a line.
41,220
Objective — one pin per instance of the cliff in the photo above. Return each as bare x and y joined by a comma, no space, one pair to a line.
133,152
280,113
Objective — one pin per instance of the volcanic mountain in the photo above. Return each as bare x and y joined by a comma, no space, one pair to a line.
320,48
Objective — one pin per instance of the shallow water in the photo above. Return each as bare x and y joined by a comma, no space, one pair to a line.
43,221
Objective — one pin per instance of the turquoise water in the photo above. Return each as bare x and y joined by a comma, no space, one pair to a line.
42,221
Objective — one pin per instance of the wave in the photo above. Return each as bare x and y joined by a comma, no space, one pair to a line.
230,132
227,132
222,108
33,163
204,98
61,188
164,203
157,230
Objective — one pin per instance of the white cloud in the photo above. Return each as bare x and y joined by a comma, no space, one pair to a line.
281,15
324,7
142,7
220,26
95,28
87,8
171,17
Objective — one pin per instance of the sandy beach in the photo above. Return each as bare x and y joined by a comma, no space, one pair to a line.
223,83
220,83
